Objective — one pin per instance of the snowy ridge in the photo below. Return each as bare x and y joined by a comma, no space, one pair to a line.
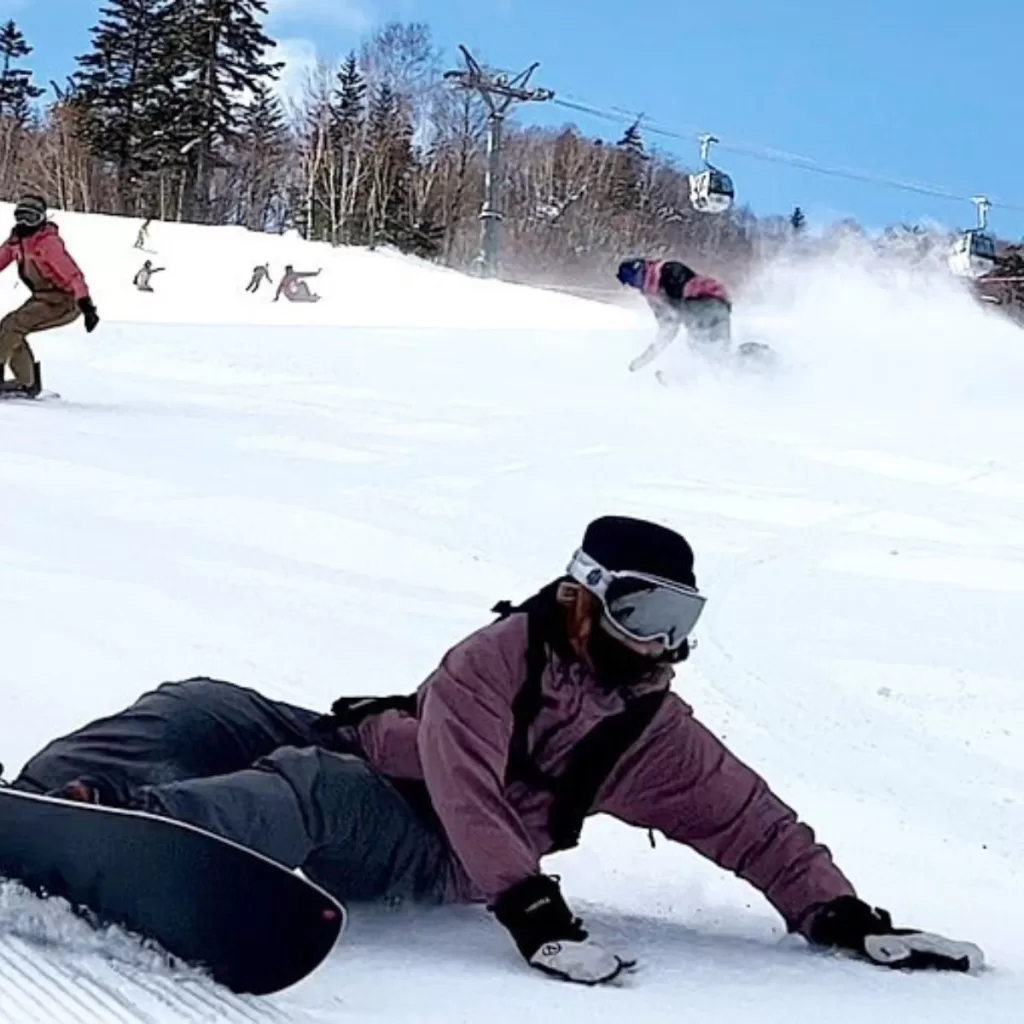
206,270
325,510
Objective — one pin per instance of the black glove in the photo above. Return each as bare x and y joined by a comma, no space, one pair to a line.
550,938
92,318
849,923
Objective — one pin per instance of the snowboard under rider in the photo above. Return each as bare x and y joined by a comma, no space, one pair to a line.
559,710
59,294
679,297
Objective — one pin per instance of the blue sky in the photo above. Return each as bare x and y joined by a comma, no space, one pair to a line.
907,89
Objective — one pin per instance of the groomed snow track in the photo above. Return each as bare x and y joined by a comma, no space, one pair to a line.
48,985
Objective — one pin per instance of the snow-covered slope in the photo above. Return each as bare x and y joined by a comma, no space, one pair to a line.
324,510
205,272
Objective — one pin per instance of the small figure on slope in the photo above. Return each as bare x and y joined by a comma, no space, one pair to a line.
59,292
561,709
680,297
143,236
293,286
143,279
259,275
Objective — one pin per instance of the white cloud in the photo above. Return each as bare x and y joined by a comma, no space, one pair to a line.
300,58
352,15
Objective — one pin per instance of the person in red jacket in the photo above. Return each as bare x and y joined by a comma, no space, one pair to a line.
680,297
59,292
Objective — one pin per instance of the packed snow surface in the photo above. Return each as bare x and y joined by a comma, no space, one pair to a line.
316,500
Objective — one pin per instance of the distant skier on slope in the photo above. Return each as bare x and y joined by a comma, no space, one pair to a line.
680,297
259,275
560,710
143,236
59,294
293,286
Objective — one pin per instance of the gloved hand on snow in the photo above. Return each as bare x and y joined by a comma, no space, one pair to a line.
849,923
550,938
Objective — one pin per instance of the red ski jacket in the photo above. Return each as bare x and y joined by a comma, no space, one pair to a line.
44,264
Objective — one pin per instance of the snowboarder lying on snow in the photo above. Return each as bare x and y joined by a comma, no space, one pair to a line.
144,277
679,297
559,710
59,292
294,288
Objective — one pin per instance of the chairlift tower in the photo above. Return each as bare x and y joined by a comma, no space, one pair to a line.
499,92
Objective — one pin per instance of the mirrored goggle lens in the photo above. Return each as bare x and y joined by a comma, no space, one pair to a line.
29,217
651,611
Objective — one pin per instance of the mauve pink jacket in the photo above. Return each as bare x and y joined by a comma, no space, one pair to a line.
678,778
50,261
698,287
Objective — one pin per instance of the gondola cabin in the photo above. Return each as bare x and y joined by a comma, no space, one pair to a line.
973,254
711,191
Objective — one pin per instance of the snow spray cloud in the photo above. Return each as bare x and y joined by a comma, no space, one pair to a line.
882,332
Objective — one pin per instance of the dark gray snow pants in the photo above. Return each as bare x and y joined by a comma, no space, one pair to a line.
231,761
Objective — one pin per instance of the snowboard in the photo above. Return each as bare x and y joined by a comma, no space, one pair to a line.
252,924
20,396
41,395
756,356
752,357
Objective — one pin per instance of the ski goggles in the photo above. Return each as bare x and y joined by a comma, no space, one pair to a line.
643,607
29,214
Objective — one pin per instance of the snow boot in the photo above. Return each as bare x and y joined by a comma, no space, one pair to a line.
14,389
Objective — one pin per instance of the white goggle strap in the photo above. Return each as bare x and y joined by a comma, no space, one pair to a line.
590,574
596,578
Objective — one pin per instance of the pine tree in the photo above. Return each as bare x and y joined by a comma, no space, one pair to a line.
389,136
349,114
632,141
629,172
350,96
797,220
263,152
223,49
16,89
125,87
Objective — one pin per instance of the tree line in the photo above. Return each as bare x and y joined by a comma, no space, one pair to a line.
173,113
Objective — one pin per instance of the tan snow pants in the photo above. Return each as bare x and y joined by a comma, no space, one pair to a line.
43,312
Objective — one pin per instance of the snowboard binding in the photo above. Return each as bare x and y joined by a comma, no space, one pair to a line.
12,389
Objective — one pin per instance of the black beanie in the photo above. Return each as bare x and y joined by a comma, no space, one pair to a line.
620,543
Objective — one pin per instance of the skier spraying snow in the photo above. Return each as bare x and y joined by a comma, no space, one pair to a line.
59,292
680,297
559,710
